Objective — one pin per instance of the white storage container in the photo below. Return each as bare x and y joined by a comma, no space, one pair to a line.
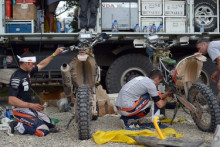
174,8
151,7
67,25
149,22
175,25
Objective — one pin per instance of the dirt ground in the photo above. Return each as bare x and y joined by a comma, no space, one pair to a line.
69,137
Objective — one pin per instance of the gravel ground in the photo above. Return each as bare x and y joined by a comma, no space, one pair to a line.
107,123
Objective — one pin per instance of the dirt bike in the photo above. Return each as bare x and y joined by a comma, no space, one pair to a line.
182,79
80,77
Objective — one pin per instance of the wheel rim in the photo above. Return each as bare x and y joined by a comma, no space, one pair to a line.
203,114
204,78
130,74
204,11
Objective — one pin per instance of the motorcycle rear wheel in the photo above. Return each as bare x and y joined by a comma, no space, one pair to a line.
208,110
83,112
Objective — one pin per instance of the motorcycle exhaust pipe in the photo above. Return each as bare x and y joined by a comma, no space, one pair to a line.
67,81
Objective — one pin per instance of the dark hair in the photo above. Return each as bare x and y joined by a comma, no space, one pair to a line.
202,40
26,54
156,74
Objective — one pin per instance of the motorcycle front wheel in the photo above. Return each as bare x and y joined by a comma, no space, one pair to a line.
207,114
83,112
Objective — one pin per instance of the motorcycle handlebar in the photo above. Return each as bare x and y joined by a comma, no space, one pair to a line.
100,38
158,48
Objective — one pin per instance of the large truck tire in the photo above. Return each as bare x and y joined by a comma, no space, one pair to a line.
126,68
207,108
206,8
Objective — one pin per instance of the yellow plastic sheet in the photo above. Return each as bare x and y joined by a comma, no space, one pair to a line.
101,137
168,120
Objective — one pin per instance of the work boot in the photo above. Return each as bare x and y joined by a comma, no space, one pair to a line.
124,122
91,30
82,31
12,126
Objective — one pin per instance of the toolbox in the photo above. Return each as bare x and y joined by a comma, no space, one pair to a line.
21,26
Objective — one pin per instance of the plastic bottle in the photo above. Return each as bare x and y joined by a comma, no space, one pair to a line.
8,113
202,27
58,27
115,26
137,28
13,2
4,63
153,28
160,28
144,29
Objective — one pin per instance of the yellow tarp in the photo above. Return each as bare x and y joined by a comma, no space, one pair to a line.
168,120
101,137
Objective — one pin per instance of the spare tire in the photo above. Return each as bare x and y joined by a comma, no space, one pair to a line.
126,68
205,8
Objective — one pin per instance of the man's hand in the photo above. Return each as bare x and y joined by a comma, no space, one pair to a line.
197,54
167,93
59,50
169,98
36,107
214,76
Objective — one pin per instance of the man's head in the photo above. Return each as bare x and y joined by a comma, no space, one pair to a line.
27,61
157,76
202,45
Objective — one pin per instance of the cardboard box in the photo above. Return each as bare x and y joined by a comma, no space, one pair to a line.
26,1
24,12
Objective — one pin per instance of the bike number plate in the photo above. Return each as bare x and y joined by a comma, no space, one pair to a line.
82,57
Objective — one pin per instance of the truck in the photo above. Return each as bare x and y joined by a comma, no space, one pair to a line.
118,59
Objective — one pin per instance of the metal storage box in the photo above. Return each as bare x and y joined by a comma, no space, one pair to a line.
20,26
126,14
176,8
175,25
151,7
149,22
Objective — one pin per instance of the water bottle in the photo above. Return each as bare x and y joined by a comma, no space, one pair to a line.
4,63
137,28
144,29
115,26
160,28
153,28
8,113
13,2
202,27
58,27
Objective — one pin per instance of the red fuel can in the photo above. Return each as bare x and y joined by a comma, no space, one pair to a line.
8,10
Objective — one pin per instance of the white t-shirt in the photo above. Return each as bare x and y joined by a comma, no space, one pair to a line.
132,91
214,50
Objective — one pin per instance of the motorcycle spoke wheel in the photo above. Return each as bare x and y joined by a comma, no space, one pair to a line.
207,108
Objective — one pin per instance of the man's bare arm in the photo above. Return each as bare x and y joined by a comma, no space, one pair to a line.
12,100
215,75
47,60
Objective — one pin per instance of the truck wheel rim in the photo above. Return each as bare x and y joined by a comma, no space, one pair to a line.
130,74
204,11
